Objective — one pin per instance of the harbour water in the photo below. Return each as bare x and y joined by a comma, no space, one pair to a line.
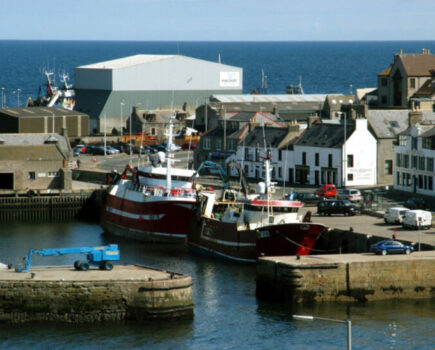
227,313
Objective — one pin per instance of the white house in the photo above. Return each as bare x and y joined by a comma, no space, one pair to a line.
414,166
338,152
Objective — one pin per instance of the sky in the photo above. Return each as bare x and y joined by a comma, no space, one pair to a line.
218,20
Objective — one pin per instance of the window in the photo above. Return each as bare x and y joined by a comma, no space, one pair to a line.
330,160
430,183
398,159
429,165
53,174
316,159
414,162
231,145
218,144
406,161
350,160
398,178
207,143
421,163
280,172
384,99
246,169
32,175
280,155
388,167
412,83
414,141
350,177
402,140
304,158
420,181
384,82
427,143
153,131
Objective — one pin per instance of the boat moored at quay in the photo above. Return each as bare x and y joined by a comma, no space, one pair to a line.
243,229
156,204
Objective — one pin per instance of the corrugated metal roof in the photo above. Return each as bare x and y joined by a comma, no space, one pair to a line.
33,140
268,98
127,61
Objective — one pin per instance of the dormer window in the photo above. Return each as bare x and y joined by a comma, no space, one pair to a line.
51,139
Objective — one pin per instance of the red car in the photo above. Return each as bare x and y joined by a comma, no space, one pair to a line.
186,145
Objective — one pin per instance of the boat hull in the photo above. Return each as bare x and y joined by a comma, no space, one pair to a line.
156,220
223,240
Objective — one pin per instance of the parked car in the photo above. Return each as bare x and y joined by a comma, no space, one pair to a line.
417,219
351,194
391,247
308,198
188,145
76,152
338,206
395,215
415,203
327,190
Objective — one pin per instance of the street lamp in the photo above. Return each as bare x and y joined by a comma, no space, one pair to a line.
347,322
121,104
105,137
18,97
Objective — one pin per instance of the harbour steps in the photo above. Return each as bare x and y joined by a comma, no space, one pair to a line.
346,277
63,294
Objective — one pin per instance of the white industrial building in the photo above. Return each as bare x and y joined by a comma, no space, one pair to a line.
108,90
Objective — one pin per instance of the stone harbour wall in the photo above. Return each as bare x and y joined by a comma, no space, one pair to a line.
349,281
91,301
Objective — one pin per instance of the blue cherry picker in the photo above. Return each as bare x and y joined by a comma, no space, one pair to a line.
101,257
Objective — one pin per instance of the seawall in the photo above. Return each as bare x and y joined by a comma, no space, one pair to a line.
347,277
66,295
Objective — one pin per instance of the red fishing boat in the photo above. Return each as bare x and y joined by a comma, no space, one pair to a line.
156,203
247,228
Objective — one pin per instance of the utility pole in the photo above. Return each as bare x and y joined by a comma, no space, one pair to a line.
18,97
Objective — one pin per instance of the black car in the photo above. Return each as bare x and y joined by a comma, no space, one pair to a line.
415,203
328,207
307,198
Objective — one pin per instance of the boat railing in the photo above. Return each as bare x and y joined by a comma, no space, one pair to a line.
161,191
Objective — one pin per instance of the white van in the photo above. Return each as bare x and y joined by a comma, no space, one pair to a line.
417,219
395,215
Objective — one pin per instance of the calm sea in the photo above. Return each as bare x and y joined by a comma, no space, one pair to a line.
323,67
227,313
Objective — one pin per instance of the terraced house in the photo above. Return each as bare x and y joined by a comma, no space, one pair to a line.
414,168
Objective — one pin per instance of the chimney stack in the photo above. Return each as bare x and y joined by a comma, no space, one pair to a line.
415,117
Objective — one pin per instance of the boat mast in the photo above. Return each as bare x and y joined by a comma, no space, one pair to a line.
169,156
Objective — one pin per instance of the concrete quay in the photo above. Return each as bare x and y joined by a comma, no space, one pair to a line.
63,294
346,277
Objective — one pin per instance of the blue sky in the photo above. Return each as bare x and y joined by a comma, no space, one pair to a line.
206,20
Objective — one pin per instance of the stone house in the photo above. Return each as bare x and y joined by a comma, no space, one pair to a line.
31,163
221,141
405,76
415,154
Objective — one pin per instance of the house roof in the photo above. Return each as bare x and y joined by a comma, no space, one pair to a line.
430,131
386,72
389,123
418,64
326,134
38,152
271,136
15,140
427,89
38,112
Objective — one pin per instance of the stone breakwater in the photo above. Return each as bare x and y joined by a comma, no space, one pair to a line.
347,277
66,295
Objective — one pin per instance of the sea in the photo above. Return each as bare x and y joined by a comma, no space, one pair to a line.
227,314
